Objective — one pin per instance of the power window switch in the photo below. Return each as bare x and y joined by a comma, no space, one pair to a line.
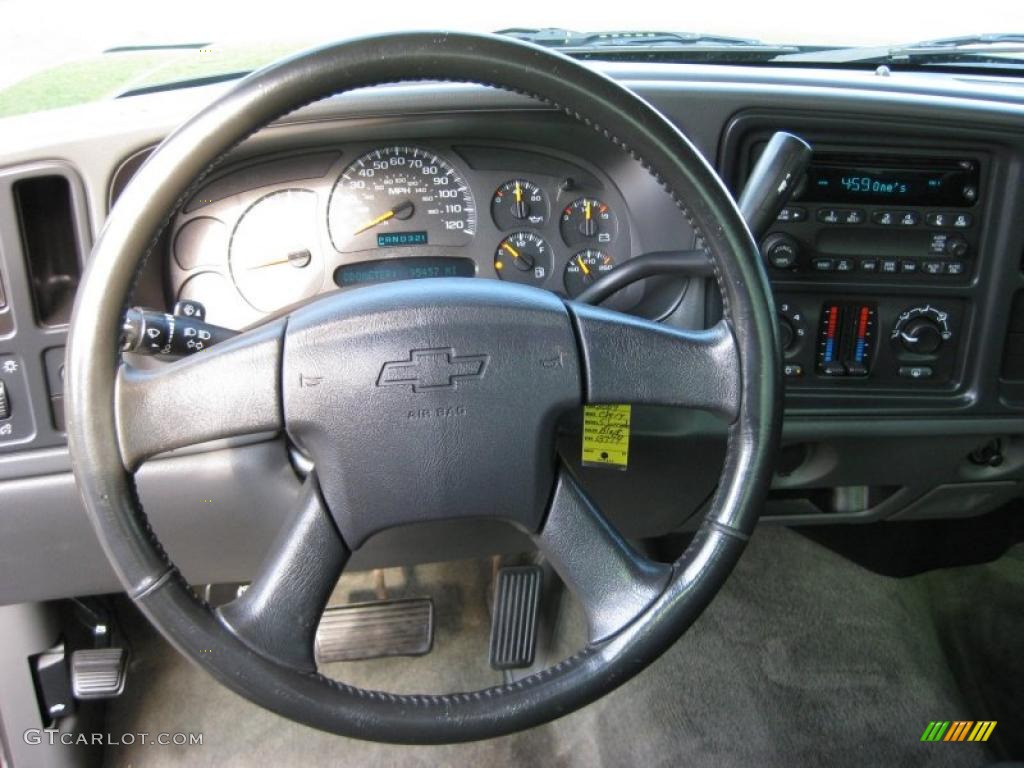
5,404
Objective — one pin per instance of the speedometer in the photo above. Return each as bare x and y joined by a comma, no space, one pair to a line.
400,197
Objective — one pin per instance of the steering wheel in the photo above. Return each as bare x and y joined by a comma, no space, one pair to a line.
341,374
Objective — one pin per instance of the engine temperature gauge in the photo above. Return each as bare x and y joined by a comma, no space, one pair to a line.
523,257
586,267
519,203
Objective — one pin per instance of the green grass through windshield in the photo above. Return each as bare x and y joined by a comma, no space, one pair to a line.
113,73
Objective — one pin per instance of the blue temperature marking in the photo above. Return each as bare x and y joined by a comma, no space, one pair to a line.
858,353
829,349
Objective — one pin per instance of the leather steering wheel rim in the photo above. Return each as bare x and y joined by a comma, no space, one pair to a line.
173,173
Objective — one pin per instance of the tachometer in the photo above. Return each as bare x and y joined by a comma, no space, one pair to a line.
400,196
274,255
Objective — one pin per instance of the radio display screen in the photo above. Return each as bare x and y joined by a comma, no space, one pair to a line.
414,268
955,184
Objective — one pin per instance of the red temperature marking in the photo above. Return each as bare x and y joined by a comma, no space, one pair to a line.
833,320
862,326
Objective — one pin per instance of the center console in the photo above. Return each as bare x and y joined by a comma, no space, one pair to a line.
873,259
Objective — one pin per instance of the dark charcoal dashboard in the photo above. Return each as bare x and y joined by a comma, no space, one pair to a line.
896,270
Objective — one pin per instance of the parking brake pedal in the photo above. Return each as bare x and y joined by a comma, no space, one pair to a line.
98,673
514,625
373,630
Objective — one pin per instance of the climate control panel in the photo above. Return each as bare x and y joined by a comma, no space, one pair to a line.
869,342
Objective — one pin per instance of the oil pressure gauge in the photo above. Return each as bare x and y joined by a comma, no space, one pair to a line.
519,203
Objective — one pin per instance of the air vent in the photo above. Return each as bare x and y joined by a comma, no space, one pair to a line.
1013,352
50,245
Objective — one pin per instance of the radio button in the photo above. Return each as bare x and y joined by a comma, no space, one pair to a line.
939,219
970,193
908,218
932,267
955,268
937,245
962,220
889,266
829,215
908,266
823,265
869,265
852,216
792,214
883,218
844,265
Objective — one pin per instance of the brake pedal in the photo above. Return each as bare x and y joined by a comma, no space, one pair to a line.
98,673
374,630
514,625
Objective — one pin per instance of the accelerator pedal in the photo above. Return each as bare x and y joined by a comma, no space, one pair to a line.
374,630
517,597
98,673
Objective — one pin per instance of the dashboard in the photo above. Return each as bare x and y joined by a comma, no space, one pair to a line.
896,269
280,230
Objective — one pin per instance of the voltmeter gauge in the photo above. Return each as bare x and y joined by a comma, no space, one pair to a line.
519,203
523,257
588,220
586,267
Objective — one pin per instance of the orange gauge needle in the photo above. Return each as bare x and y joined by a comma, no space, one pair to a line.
519,193
587,210
403,211
514,253
296,259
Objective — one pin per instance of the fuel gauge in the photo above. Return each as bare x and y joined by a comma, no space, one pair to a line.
523,257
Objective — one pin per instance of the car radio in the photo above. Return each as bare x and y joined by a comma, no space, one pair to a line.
887,217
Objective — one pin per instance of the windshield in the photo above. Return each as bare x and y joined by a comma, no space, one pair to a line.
67,52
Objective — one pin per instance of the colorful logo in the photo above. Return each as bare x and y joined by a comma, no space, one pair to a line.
958,730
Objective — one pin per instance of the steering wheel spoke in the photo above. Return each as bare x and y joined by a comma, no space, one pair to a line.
278,615
230,389
613,581
626,359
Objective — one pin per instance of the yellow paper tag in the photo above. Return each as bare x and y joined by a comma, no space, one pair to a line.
606,436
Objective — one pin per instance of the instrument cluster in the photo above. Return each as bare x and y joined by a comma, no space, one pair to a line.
268,236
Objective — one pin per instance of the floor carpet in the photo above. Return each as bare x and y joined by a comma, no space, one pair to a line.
804,658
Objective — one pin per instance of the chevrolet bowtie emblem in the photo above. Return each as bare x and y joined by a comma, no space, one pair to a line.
432,369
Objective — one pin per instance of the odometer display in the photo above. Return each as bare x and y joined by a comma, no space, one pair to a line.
390,270
400,189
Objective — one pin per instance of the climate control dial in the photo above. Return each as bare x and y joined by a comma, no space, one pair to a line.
922,330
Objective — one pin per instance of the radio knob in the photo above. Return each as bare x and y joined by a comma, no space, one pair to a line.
956,246
921,335
780,250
